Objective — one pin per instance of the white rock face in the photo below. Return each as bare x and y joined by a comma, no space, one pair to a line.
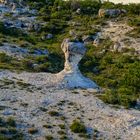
71,75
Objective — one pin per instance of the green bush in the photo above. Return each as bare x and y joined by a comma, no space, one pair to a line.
78,127
49,137
11,122
8,130
4,58
54,113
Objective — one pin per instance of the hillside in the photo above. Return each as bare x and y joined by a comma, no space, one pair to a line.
69,70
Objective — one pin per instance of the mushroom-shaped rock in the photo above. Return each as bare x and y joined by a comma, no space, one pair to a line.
74,52
71,75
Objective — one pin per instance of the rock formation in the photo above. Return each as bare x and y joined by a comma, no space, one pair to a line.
111,12
71,75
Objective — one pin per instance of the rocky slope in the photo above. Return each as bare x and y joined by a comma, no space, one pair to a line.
45,105
31,106
41,102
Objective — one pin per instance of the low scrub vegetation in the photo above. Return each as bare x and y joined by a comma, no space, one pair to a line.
8,130
78,127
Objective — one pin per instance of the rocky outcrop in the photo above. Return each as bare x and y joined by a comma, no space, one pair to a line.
111,12
47,36
78,11
118,33
117,47
74,51
71,75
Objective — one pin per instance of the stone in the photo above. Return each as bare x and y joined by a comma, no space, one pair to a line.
96,42
72,33
13,6
36,27
111,12
117,47
101,13
8,112
49,36
71,75
46,102
87,38
78,11
59,8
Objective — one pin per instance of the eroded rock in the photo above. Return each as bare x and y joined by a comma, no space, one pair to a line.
71,75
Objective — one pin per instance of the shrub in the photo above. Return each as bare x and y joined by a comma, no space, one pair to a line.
8,128
78,127
54,113
49,137
11,122
47,126
62,126
4,58
61,132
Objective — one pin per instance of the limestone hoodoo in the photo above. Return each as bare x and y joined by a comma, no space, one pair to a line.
71,75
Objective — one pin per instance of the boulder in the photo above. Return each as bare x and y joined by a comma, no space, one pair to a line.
96,42
87,38
102,13
59,8
117,47
14,6
72,33
34,26
7,112
47,36
78,11
111,12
